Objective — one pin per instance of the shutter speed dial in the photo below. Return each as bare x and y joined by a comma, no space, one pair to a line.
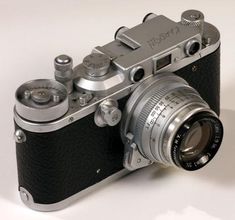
96,64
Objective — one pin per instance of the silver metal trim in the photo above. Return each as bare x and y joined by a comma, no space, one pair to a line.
116,83
133,159
70,117
193,18
64,71
107,113
100,86
46,111
96,64
27,198
189,44
175,124
120,31
133,72
19,136
152,116
149,16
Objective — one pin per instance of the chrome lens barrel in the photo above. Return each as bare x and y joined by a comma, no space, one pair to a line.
158,110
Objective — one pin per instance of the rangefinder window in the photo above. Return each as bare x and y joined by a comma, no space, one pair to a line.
163,62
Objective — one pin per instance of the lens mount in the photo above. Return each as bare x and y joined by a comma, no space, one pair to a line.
155,115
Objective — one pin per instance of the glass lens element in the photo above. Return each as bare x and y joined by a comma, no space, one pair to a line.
195,140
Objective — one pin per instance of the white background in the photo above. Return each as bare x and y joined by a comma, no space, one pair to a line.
32,33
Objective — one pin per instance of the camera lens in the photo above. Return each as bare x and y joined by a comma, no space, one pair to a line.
195,140
171,123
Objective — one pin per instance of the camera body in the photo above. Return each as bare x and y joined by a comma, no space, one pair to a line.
65,150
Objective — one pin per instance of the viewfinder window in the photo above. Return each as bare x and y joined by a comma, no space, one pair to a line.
163,62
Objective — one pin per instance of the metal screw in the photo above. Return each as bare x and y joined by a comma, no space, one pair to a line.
84,99
27,94
24,196
133,146
71,119
194,68
41,96
139,160
56,98
177,59
206,41
97,171
19,136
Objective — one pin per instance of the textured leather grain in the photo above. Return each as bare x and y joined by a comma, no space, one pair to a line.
206,78
53,166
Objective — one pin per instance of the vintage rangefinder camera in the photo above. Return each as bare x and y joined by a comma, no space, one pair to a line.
152,95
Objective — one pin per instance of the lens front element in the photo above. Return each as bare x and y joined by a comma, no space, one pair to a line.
195,140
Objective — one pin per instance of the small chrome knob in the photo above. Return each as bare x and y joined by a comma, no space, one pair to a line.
63,63
193,18
40,96
96,64
108,113
63,71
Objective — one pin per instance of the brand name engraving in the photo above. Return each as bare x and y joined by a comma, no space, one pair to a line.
156,41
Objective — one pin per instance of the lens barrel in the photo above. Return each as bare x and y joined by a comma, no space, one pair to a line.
171,123
197,141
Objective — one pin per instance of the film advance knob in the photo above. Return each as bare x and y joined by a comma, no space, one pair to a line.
42,100
108,113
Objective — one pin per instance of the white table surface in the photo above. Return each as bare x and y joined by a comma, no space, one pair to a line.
32,33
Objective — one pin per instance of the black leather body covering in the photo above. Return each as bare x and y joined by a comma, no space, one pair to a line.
56,165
